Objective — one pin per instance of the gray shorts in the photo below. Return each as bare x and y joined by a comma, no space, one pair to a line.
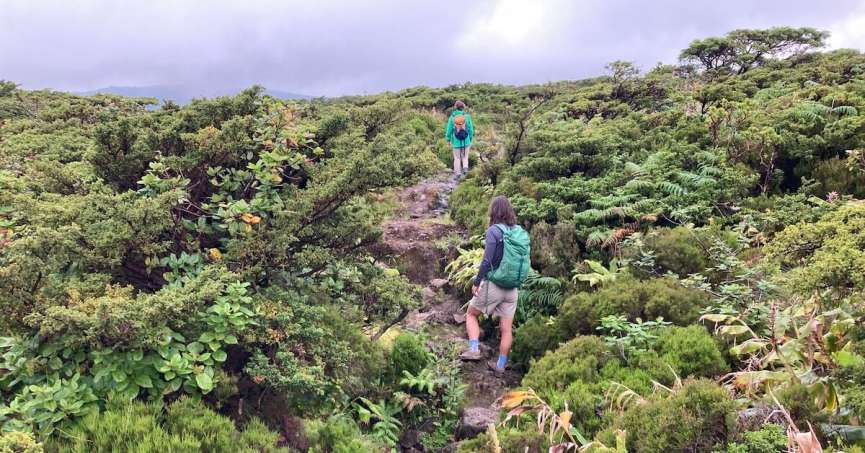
494,301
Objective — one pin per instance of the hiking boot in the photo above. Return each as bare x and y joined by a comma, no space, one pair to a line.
492,365
469,355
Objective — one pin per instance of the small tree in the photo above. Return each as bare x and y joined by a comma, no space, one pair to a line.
7,87
744,49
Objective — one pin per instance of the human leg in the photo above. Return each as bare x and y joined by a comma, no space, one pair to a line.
473,330
505,310
465,159
506,325
457,161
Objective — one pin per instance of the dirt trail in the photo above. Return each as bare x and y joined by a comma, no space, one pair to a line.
416,241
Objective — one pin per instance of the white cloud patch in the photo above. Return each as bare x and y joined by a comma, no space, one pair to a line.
506,26
849,32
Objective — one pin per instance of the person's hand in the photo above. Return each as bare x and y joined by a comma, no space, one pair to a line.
476,290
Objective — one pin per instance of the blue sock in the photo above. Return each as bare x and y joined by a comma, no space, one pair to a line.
503,359
474,345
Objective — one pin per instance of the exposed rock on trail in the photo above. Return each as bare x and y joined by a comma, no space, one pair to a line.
410,241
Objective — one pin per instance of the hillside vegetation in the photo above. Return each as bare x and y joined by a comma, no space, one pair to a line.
202,278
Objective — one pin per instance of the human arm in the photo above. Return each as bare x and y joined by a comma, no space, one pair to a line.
449,130
490,244
470,127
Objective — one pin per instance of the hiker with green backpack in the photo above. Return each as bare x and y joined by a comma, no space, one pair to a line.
503,269
459,133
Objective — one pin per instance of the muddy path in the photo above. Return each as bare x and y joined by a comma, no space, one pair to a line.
420,240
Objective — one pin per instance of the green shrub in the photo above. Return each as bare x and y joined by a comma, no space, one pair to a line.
801,403
19,442
583,400
833,175
187,426
633,298
469,204
215,432
408,354
691,351
770,439
338,434
511,440
677,250
533,339
694,418
123,428
639,376
579,359
555,248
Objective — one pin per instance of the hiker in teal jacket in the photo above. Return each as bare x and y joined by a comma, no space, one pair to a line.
459,133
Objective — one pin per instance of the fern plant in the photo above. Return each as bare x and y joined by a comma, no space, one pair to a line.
463,269
539,295
598,275
425,381
383,416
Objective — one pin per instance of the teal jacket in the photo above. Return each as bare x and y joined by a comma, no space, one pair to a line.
449,132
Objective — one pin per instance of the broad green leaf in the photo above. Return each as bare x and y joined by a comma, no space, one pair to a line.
144,381
219,355
748,347
204,382
846,358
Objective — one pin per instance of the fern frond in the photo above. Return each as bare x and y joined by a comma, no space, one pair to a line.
589,216
845,110
639,185
633,170
672,188
597,238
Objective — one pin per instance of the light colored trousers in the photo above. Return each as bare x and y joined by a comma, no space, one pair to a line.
461,159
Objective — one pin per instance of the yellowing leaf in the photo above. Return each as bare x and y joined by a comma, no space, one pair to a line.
733,330
250,219
215,254
748,347
713,317
565,419
513,399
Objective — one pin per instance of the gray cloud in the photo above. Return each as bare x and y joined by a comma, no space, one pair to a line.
331,47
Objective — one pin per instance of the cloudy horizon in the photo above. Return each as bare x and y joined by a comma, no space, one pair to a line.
330,47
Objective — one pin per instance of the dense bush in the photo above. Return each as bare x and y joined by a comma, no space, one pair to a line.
772,438
555,248
409,353
19,442
339,434
509,441
187,426
470,205
581,358
802,404
633,298
828,254
695,418
533,338
691,351
677,250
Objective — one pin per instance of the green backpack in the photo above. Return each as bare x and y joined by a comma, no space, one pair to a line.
515,265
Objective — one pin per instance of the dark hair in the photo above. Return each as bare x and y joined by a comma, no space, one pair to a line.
501,211
459,105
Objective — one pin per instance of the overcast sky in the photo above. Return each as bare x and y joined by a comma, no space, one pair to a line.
333,47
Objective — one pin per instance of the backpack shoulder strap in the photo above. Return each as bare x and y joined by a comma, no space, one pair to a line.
503,228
